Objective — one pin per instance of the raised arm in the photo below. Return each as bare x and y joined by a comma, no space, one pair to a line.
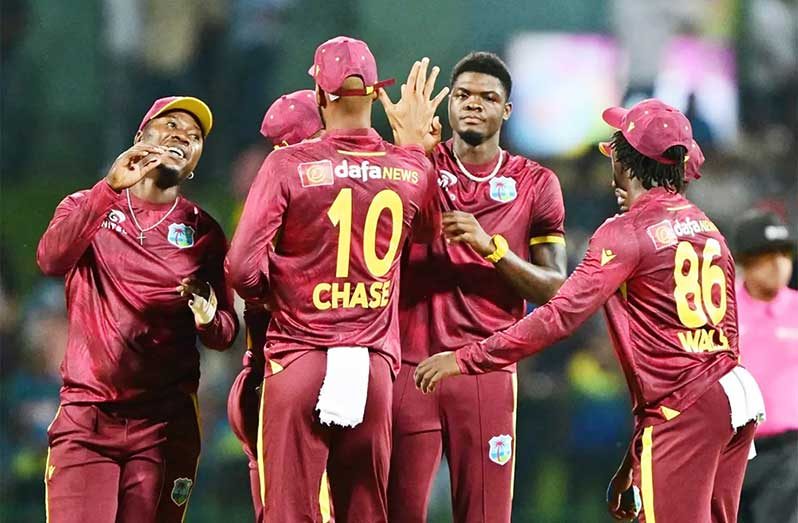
79,216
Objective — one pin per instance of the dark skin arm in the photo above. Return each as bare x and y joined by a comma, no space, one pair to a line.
536,281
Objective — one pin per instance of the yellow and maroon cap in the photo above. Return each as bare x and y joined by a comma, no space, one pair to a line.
292,118
341,57
191,105
651,127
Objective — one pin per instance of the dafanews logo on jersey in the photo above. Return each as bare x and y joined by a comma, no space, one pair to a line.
662,234
502,189
316,174
113,221
321,173
181,235
667,233
500,449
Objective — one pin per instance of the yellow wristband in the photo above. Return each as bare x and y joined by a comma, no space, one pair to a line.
501,249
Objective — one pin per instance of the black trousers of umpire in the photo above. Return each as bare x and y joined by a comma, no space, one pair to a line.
770,490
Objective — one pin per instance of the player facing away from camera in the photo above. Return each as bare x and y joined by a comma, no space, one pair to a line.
502,244
669,276
292,118
341,207
144,278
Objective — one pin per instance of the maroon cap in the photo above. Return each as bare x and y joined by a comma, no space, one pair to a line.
341,57
292,118
693,160
191,105
651,127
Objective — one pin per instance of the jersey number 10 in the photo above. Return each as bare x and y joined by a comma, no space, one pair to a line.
340,215
694,287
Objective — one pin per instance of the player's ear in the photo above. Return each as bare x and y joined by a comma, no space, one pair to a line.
137,138
508,110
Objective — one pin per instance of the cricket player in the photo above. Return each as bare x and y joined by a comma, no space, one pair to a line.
144,278
673,324
292,118
502,244
341,207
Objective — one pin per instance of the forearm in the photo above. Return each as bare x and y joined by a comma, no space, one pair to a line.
625,468
245,273
578,298
525,338
256,319
221,332
532,282
72,229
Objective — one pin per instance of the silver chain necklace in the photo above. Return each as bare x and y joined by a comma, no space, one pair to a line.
476,178
151,227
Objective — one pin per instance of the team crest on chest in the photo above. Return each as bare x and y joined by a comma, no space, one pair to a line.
500,449
502,189
181,235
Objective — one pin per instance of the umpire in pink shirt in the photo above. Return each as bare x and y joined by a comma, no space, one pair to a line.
768,327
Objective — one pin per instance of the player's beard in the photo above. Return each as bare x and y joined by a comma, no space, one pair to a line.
166,177
472,138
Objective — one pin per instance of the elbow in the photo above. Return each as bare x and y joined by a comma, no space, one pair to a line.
556,283
246,283
224,342
48,264
540,294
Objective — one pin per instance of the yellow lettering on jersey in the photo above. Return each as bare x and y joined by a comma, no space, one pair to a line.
398,174
375,291
359,298
703,340
317,300
340,294
386,293
350,295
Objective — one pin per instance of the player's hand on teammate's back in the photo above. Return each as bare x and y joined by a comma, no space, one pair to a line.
133,165
459,226
411,118
435,368
192,285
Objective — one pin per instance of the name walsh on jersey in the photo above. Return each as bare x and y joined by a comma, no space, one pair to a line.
321,173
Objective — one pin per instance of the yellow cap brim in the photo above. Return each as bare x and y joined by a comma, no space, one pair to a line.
192,105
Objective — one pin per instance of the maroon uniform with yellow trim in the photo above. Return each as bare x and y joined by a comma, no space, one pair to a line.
674,327
127,433
452,296
343,206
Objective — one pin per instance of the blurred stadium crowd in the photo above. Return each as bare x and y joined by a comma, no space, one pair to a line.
76,77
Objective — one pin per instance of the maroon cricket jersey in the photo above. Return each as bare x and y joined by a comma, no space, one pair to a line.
342,206
669,278
450,294
131,335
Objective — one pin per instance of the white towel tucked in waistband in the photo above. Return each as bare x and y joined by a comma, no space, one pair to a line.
745,399
342,398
